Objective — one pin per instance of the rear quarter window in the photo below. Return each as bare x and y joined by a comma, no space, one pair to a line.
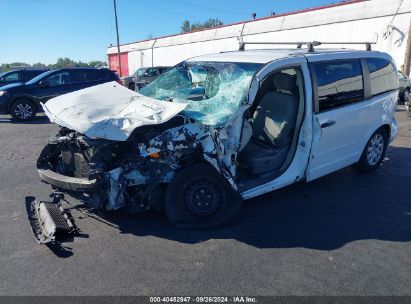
15,76
383,76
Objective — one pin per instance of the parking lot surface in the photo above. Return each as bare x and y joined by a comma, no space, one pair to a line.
343,234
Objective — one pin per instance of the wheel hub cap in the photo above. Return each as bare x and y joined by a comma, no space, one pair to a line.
203,198
375,149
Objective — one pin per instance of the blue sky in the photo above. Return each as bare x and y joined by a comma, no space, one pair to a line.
43,30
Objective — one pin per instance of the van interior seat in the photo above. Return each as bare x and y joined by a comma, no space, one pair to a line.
273,126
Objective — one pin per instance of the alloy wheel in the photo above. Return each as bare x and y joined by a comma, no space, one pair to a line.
375,149
407,95
23,111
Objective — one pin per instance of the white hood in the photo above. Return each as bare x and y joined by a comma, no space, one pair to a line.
108,111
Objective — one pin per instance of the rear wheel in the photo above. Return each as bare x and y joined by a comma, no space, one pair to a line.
199,197
23,110
406,96
374,152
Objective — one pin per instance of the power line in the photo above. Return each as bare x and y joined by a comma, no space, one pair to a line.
231,12
396,13
174,12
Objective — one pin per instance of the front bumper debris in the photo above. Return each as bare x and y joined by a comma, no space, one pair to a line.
65,182
49,221
57,180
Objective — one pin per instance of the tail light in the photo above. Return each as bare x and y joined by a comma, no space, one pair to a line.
120,81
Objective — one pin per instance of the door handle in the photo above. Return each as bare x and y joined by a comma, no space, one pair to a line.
327,124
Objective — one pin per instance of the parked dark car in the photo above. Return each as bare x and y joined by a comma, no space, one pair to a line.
19,76
143,76
22,101
405,85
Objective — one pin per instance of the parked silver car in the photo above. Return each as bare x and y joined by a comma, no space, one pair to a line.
143,76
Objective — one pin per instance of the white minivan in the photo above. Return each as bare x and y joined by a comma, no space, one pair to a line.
220,128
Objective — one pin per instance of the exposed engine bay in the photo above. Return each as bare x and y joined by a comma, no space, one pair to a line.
129,174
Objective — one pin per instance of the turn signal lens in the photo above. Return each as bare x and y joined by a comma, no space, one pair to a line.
155,155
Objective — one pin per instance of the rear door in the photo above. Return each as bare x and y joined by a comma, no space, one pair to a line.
93,77
339,119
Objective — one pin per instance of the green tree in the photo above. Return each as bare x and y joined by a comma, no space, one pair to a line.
38,65
210,23
185,27
61,63
19,64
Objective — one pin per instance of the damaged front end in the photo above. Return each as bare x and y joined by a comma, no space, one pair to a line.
127,174
109,175
118,149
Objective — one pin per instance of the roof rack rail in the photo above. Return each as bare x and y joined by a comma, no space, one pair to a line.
310,44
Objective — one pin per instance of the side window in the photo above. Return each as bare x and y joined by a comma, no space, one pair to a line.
339,83
59,79
27,75
95,75
383,76
12,77
152,72
78,76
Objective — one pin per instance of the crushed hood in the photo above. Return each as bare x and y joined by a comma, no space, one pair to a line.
108,111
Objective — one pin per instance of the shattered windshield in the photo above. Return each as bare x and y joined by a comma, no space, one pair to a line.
140,72
211,90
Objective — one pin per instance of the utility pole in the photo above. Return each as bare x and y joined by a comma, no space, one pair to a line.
406,68
118,39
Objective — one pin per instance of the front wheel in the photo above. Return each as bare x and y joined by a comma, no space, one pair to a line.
199,197
374,152
23,110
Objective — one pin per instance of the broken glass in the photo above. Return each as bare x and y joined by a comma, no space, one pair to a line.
211,90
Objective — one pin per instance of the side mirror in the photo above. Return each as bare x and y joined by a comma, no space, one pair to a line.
44,84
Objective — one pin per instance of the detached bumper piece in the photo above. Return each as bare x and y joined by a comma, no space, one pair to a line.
49,221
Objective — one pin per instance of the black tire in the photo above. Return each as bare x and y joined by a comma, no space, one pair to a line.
199,198
406,95
23,110
408,109
374,151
